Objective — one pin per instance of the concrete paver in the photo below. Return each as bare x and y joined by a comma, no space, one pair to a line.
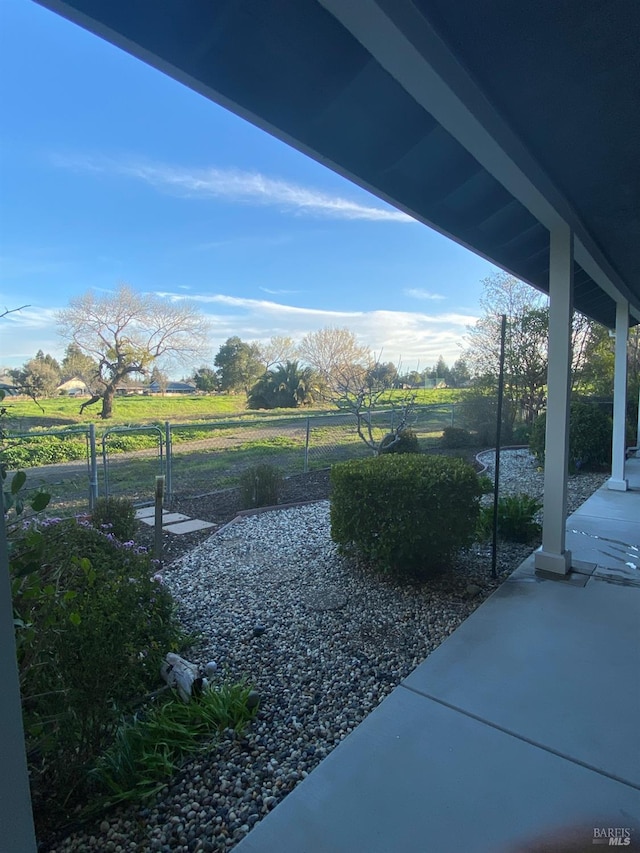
188,526
167,518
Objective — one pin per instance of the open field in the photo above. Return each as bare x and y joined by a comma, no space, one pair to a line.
23,414
209,457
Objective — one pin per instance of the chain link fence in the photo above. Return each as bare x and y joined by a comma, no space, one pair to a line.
201,458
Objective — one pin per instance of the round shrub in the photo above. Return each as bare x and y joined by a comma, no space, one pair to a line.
116,516
478,410
407,442
453,437
404,514
589,437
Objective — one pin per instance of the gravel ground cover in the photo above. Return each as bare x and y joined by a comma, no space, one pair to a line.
337,640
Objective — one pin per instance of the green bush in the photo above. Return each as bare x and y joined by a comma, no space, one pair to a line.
589,437
453,437
516,515
407,442
115,515
404,514
521,434
260,486
478,411
92,626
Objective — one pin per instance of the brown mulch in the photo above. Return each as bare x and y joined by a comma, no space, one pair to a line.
221,507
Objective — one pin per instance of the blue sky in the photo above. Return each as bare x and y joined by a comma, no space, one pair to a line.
112,172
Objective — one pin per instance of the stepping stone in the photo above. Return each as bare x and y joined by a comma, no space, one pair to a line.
188,526
167,518
145,512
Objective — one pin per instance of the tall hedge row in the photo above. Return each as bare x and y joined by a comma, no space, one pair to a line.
404,514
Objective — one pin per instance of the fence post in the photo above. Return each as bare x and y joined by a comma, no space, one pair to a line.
169,460
306,447
105,464
157,537
93,470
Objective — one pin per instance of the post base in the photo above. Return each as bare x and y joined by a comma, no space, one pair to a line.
617,485
557,564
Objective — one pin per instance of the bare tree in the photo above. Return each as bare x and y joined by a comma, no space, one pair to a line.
279,350
127,332
337,357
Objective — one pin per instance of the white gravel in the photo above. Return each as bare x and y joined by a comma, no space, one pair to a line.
337,641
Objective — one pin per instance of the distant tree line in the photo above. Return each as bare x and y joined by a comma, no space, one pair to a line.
117,337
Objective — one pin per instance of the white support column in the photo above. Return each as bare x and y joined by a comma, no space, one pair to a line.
16,819
638,432
552,556
617,481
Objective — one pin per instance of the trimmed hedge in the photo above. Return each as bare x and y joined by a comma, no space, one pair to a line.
404,514
589,437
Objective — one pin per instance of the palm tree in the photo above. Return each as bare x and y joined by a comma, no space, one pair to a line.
285,386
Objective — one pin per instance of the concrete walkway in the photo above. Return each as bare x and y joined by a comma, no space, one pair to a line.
523,727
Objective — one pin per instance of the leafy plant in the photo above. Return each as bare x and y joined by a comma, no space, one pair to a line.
403,441
116,516
521,434
92,627
260,486
589,437
479,413
147,749
453,437
516,514
404,514
285,386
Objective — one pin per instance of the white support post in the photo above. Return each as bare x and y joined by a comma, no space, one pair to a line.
617,481
552,557
16,819
638,432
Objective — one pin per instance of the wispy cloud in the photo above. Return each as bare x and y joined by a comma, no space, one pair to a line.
419,293
278,292
238,186
413,338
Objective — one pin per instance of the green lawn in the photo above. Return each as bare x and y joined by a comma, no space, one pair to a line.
24,414
214,439
126,410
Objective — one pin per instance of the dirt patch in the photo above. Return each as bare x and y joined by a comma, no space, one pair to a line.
221,507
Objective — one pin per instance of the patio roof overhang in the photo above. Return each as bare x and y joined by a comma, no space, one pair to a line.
490,122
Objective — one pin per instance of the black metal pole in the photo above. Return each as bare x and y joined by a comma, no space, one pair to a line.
496,476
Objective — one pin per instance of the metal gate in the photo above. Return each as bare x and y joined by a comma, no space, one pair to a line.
131,474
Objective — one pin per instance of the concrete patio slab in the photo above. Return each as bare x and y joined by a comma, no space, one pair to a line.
188,526
612,546
417,776
167,518
524,722
551,669
607,503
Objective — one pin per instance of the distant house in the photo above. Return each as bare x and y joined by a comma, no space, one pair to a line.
171,388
